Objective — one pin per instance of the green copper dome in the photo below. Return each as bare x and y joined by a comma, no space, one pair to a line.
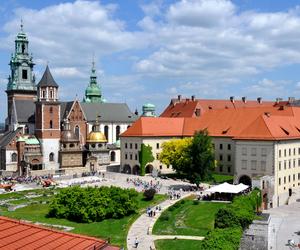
148,110
149,105
93,91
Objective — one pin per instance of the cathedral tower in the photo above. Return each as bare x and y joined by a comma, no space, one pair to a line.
21,81
47,120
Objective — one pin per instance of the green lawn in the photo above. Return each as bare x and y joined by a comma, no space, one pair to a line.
115,229
177,244
187,218
220,178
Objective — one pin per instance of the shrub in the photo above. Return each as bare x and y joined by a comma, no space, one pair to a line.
149,193
222,239
93,204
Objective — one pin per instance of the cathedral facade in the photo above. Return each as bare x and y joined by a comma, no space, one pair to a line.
45,135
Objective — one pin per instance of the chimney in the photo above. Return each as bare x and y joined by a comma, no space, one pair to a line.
193,98
244,99
291,99
232,99
179,97
259,100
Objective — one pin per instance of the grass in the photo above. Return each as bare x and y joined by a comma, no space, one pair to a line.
220,178
113,229
177,244
187,218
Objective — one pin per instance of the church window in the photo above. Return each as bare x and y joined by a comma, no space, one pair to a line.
51,124
117,132
14,157
51,156
24,74
106,131
112,156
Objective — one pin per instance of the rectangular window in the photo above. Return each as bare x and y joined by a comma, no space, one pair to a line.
294,163
263,152
290,152
130,145
130,156
24,74
263,165
221,168
136,146
298,176
221,146
284,180
289,163
136,157
221,157
157,145
244,164
244,151
279,152
294,151
279,181
125,156
253,151
125,145
298,151
253,165
289,178
294,177
285,153
298,162
228,157
284,164
229,169
229,146
279,165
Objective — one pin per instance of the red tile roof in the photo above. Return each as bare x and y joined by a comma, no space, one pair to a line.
20,235
260,123
187,107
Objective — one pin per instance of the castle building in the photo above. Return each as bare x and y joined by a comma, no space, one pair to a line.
61,130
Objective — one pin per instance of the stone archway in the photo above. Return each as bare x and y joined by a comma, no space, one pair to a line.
127,169
149,169
245,179
136,170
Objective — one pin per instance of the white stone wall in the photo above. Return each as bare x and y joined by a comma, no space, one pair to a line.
11,166
225,155
48,146
134,146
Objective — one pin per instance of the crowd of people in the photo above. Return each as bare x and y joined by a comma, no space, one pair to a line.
144,185
25,180
151,212
174,194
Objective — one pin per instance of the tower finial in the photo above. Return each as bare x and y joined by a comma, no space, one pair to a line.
93,62
21,25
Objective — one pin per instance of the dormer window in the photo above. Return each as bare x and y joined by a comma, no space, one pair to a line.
51,94
43,94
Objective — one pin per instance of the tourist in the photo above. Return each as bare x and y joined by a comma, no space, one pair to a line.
136,243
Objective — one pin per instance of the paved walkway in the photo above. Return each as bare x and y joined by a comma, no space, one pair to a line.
142,227
180,237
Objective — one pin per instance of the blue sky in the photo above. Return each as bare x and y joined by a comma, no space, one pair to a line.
151,51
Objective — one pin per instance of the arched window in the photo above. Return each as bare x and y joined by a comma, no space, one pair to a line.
117,132
106,130
23,48
51,156
113,156
77,131
51,94
14,157
51,124
43,94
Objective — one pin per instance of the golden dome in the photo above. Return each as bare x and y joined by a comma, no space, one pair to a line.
96,136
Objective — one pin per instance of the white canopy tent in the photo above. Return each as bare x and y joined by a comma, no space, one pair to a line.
228,188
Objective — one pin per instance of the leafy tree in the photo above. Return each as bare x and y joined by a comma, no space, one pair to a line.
145,156
149,193
176,153
202,158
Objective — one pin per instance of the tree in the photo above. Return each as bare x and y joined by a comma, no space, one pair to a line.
176,153
145,156
202,158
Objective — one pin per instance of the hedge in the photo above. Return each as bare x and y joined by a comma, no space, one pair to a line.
93,204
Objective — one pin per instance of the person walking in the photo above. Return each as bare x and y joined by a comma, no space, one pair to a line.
136,242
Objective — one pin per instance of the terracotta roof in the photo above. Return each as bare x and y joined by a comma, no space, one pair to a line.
187,107
260,123
20,235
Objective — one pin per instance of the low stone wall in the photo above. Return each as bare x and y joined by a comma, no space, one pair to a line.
256,236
